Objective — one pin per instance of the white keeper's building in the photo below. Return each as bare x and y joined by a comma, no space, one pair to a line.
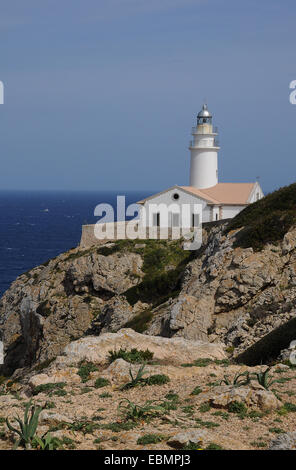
218,200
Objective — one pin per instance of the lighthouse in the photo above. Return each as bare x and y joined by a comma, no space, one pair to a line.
204,152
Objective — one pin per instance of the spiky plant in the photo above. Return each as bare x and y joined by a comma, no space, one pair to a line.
240,379
130,410
264,379
27,426
135,379
46,442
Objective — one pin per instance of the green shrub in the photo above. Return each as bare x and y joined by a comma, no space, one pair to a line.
85,368
204,407
290,407
191,446
202,362
158,284
49,387
120,426
222,414
172,396
213,446
276,430
132,356
206,424
150,439
158,379
238,407
259,444
101,382
267,220
105,395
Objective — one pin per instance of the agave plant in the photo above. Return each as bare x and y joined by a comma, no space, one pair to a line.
46,442
240,379
27,426
264,379
130,410
135,379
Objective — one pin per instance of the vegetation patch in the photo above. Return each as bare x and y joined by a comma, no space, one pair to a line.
158,379
119,426
150,439
159,283
206,424
48,388
267,220
206,361
239,408
101,382
214,446
204,407
85,368
133,356
258,444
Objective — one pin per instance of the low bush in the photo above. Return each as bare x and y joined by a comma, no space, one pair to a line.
85,368
133,356
150,439
101,382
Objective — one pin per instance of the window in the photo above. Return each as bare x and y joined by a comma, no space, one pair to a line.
176,196
217,216
257,197
195,220
156,219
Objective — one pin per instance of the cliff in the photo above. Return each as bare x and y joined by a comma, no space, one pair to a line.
239,287
92,334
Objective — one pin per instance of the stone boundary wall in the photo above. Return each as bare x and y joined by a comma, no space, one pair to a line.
88,237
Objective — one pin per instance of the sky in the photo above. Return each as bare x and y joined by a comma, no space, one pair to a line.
102,94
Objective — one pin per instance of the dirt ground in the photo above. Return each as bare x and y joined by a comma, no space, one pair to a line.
95,422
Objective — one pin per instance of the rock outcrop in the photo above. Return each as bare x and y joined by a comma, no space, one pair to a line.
286,441
224,292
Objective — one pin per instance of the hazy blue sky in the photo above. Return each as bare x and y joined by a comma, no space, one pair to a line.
102,94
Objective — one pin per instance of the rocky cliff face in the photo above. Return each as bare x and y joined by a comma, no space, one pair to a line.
225,292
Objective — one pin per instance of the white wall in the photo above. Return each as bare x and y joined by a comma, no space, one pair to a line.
203,168
257,193
231,211
167,199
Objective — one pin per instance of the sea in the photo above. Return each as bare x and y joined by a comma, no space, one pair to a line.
38,225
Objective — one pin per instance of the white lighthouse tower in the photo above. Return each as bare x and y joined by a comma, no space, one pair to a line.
204,152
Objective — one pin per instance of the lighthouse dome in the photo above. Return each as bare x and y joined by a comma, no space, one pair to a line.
204,112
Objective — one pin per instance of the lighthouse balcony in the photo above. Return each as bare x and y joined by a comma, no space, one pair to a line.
204,130
204,144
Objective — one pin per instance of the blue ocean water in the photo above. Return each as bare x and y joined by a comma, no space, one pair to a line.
37,226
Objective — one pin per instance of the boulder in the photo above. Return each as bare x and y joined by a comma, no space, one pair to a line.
53,418
176,350
286,441
68,375
182,439
253,396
